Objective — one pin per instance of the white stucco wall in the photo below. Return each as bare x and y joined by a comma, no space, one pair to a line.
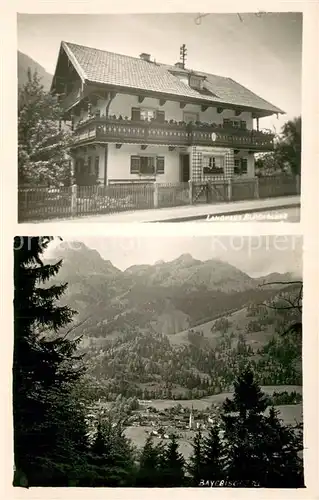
119,163
123,103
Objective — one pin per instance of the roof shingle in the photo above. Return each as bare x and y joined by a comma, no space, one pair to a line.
100,66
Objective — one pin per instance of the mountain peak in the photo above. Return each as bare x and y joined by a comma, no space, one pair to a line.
185,258
82,258
159,262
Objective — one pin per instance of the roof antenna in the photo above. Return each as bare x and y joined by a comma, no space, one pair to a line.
183,52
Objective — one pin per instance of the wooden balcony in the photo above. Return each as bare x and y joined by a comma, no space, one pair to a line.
104,130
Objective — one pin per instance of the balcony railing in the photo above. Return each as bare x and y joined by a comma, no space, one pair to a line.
101,129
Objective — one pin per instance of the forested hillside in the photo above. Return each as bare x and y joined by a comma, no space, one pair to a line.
179,329
24,63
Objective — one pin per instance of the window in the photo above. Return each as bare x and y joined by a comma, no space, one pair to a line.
147,114
240,166
195,82
213,165
147,165
234,123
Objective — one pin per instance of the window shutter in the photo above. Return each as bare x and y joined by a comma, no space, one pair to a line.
160,161
97,165
136,114
89,163
243,124
160,116
135,164
237,166
244,165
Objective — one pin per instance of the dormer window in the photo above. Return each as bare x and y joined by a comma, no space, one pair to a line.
196,82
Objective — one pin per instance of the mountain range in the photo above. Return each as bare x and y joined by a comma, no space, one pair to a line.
167,297
178,329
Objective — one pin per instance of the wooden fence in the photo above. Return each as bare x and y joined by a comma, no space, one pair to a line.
36,204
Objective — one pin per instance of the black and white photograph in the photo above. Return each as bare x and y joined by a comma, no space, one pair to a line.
159,362
141,358
159,117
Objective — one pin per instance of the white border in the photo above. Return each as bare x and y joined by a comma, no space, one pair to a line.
308,226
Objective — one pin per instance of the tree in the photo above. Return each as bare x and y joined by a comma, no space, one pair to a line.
259,448
280,446
112,458
42,145
49,424
172,465
287,151
148,474
206,461
288,148
212,455
290,307
196,460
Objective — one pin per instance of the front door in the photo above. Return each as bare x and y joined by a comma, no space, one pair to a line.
185,173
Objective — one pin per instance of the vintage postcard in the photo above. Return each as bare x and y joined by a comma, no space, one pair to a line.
148,358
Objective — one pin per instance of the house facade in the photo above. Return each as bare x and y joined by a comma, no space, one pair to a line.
135,120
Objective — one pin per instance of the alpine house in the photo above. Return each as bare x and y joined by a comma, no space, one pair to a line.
136,120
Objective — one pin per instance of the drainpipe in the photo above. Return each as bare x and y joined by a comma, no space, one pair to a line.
112,95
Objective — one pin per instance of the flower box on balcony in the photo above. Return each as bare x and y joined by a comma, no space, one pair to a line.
213,171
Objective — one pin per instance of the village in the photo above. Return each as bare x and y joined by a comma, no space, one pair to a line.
182,421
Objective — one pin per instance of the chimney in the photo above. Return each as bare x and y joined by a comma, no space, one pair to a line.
145,57
179,65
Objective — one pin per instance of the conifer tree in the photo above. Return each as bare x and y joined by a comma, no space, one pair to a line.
112,456
149,464
196,460
42,144
212,455
259,448
172,465
281,446
49,426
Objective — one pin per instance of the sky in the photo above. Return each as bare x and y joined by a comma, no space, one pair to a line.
255,255
262,52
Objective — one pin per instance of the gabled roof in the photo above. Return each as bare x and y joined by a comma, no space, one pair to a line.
108,68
